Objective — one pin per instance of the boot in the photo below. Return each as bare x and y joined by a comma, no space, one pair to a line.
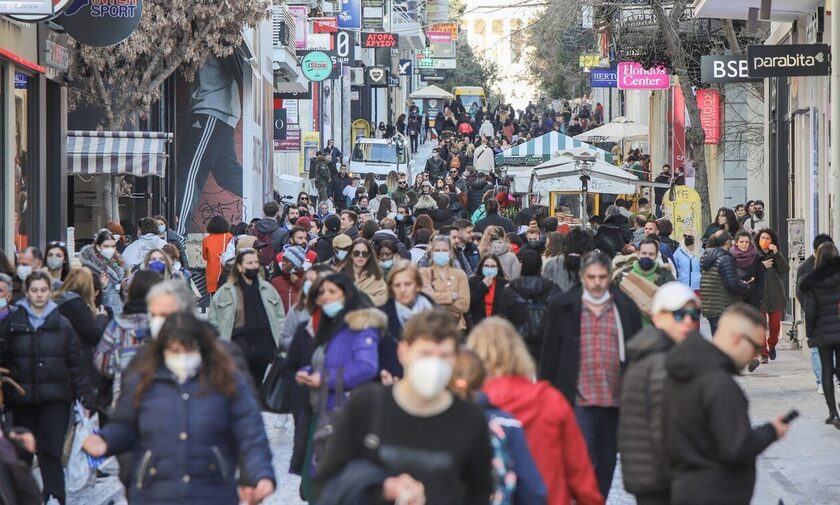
833,419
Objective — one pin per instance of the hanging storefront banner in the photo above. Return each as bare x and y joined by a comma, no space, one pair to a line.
33,11
279,126
377,40
632,75
299,13
603,78
722,68
289,144
377,76
439,37
325,25
678,154
788,60
350,17
373,13
102,23
316,66
708,101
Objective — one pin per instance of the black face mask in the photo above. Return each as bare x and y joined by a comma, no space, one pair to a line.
252,274
689,241
759,214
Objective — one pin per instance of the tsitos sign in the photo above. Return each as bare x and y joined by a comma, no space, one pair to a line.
788,60
316,66
102,23
374,40
631,75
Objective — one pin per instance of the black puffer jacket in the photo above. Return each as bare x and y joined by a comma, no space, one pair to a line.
720,286
640,428
613,235
475,193
820,293
521,301
48,362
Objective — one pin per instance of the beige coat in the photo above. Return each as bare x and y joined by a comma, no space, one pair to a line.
375,288
223,305
445,282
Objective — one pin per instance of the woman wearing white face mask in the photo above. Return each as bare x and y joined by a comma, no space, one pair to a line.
56,260
446,284
190,420
102,258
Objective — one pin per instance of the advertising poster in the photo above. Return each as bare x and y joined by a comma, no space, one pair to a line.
685,211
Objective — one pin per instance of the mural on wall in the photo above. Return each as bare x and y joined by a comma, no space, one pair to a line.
210,152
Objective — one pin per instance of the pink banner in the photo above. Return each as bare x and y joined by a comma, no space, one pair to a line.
708,101
439,37
678,155
632,75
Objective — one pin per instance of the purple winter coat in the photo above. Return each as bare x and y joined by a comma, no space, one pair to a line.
355,348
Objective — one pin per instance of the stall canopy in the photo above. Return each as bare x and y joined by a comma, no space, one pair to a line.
620,129
543,148
432,92
117,152
563,174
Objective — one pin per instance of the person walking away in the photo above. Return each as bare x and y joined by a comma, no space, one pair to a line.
446,284
583,354
525,301
212,248
43,354
750,270
405,301
416,420
190,419
774,299
364,269
149,239
413,130
516,475
492,218
803,271
820,298
102,259
614,233
496,243
553,435
687,261
720,286
322,177
641,434
484,159
706,408
486,288
247,311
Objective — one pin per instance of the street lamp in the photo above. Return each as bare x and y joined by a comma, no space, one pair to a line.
584,162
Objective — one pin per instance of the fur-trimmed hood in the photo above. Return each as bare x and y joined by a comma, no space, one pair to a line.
361,319
499,247
89,258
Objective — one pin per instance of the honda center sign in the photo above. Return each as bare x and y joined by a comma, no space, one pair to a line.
788,60
631,75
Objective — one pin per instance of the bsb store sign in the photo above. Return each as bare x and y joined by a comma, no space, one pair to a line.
632,75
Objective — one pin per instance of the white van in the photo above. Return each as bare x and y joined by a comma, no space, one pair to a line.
379,157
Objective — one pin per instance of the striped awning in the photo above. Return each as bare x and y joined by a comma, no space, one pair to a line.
543,148
111,153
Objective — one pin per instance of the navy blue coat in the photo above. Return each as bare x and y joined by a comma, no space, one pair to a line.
391,339
186,442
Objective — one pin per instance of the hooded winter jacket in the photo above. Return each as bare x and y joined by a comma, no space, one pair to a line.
475,193
641,432
820,295
613,235
711,442
688,267
720,286
521,300
116,273
553,435
136,252
510,263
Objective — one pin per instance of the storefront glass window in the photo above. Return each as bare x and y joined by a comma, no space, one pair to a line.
24,157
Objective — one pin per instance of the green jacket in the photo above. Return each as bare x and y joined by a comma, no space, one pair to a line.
222,313
774,297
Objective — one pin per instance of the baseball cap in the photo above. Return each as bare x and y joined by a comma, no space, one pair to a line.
672,296
342,241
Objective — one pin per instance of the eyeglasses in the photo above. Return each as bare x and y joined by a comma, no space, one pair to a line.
361,254
756,347
681,314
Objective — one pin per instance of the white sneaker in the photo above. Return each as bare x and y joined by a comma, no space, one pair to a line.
820,390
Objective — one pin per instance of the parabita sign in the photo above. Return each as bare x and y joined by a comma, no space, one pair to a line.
788,60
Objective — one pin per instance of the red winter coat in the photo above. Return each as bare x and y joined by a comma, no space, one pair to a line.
289,291
553,436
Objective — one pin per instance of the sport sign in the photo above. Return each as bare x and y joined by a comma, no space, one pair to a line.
102,23
375,40
788,60
632,75
316,66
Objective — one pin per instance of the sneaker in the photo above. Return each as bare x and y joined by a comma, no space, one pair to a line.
753,365
764,360
820,389
773,353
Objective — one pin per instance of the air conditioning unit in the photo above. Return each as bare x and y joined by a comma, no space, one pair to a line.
357,76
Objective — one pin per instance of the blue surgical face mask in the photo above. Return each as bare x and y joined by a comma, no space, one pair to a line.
387,264
333,308
489,271
306,286
340,255
441,258
158,266
3,304
161,228
400,217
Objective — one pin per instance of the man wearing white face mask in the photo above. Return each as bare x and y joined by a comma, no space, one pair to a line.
583,355
29,260
430,446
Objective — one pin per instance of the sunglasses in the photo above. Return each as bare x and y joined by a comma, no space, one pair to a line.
681,314
57,243
403,184
361,254
304,199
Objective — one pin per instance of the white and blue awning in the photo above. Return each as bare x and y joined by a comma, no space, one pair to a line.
117,152
543,148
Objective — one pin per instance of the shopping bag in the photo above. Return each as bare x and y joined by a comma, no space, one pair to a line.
78,474
273,394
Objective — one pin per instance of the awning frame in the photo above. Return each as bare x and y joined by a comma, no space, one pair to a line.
137,153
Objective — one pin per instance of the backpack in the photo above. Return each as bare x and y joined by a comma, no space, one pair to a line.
504,475
465,129
266,253
532,322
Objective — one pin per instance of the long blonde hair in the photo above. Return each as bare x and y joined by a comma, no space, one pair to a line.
501,348
490,234
79,281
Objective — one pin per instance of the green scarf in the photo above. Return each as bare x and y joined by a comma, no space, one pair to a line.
650,276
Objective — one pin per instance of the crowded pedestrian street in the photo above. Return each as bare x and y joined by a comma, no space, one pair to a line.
575,252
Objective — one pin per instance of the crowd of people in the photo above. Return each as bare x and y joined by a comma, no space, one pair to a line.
436,345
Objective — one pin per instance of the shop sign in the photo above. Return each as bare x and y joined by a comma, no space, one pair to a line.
57,56
305,95
102,23
439,37
342,48
57,7
589,60
21,80
788,60
377,40
316,66
29,7
319,42
528,159
325,25
290,143
603,78
708,101
373,13
441,63
722,68
405,67
299,13
279,126
632,75
452,28
393,82
350,16
377,76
